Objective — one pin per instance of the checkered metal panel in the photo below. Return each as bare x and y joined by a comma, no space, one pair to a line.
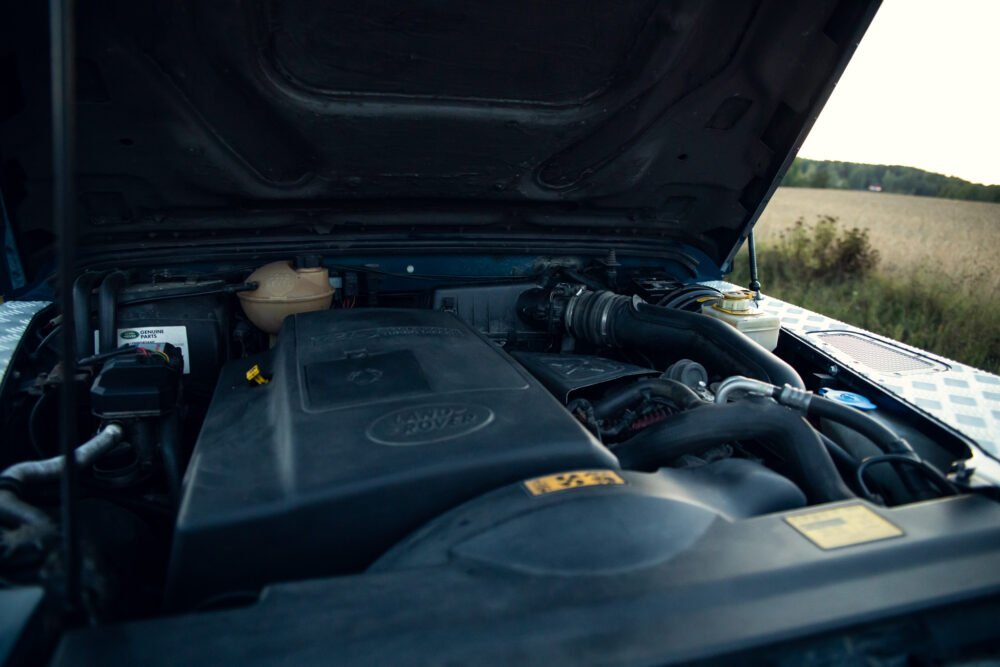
878,356
962,397
14,319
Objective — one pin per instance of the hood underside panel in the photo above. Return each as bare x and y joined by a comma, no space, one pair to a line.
670,119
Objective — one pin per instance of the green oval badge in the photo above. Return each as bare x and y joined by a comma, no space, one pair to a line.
129,335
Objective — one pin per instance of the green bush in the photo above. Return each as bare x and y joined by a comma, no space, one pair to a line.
824,251
836,272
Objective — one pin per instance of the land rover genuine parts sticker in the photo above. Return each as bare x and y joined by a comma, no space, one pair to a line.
140,336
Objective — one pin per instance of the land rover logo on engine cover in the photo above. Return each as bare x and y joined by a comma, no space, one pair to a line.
424,424
129,335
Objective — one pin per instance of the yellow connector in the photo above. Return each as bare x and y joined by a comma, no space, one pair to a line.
255,376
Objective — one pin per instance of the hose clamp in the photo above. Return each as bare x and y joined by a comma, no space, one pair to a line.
608,299
571,308
798,399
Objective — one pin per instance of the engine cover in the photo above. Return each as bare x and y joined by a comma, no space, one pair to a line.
374,422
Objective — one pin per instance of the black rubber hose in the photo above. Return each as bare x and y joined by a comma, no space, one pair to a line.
884,438
32,472
15,512
169,450
82,288
49,338
605,318
699,430
33,422
839,453
107,308
627,396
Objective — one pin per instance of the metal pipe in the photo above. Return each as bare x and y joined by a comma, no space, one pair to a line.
739,383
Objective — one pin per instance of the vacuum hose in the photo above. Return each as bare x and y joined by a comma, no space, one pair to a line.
699,430
606,318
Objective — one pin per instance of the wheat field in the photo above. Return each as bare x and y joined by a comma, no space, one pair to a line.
959,238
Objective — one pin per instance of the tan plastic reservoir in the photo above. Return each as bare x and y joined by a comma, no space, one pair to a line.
283,291
738,309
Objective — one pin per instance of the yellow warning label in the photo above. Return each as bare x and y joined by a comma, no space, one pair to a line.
843,526
564,481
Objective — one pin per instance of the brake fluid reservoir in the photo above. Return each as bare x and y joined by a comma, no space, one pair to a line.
738,309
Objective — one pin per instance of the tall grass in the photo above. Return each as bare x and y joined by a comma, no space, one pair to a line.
836,271
959,237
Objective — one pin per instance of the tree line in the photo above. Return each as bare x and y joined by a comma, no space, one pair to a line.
806,173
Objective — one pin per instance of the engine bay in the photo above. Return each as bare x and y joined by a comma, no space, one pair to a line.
303,421
362,333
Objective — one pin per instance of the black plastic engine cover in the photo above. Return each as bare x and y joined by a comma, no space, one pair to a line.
374,422
595,522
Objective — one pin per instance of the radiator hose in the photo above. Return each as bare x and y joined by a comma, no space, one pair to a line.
107,309
709,426
606,318
14,510
894,446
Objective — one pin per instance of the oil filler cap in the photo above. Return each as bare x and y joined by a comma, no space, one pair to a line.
255,375
848,398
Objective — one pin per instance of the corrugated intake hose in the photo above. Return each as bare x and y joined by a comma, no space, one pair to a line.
784,430
13,509
605,318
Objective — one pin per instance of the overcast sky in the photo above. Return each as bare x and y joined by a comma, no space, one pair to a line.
922,90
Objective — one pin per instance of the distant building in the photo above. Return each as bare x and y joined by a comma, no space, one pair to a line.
874,187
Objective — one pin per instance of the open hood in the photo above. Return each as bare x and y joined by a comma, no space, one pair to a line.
653,122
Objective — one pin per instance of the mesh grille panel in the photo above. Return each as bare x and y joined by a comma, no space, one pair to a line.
877,355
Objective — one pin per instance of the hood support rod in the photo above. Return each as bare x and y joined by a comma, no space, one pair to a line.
62,50
754,277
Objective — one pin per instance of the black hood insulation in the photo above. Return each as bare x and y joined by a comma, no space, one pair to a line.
626,121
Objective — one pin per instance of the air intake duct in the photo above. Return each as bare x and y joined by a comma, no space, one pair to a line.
606,318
